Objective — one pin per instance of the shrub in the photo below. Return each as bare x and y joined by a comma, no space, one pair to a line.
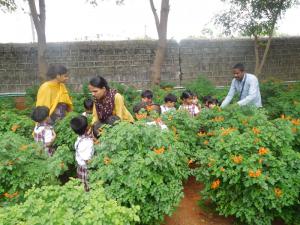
68,204
141,165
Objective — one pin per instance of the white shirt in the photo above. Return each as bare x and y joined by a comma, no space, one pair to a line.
160,124
84,147
164,108
43,133
250,95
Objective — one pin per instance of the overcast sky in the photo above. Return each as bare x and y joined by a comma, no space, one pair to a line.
71,20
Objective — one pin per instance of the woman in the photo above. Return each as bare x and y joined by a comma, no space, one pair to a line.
54,94
107,102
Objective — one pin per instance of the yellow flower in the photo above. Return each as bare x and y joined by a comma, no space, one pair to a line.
254,174
15,127
295,122
263,151
206,142
106,160
215,184
237,159
201,134
278,192
159,150
256,130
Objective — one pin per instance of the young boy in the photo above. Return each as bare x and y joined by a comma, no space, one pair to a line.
147,96
43,131
170,101
88,107
84,147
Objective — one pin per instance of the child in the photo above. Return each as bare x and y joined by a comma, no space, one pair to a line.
43,131
170,101
88,106
84,147
147,96
187,103
210,102
98,126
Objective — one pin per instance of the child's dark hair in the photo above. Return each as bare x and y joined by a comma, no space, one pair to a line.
170,98
212,101
186,94
55,70
79,124
139,106
147,94
88,103
40,113
112,120
96,127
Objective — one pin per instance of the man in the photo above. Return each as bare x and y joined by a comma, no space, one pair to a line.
246,85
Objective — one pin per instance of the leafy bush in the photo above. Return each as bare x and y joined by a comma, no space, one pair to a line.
20,124
248,165
141,165
24,164
68,204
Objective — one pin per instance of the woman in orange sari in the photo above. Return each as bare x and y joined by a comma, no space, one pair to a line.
54,94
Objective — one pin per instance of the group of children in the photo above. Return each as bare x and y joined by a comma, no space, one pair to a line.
189,100
84,145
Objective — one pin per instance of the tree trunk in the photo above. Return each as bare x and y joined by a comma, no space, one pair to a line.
39,23
161,26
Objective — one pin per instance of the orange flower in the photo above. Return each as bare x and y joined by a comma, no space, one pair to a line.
206,142
218,119
62,165
263,151
140,116
190,161
211,133
254,174
201,134
282,116
260,161
226,131
256,130
15,127
278,192
222,169
159,150
7,195
295,122
106,160
215,184
294,130
237,159
149,108
23,147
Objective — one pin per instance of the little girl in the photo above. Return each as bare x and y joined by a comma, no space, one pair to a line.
187,103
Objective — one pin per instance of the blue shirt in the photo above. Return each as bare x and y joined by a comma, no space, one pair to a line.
249,95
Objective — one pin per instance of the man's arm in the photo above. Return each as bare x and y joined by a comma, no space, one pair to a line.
253,90
229,96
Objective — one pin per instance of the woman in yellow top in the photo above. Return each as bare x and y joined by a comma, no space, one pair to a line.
107,102
54,94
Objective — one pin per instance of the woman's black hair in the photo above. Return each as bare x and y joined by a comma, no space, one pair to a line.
99,82
186,94
55,70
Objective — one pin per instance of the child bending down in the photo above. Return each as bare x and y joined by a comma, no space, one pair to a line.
187,103
84,147
43,132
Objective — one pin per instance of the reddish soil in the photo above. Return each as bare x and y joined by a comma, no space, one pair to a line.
189,212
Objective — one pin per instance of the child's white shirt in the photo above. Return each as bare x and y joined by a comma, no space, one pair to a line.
164,108
43,133
84,147
192,109
161,125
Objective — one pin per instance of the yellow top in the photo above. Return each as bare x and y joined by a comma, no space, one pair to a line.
119,110
51,93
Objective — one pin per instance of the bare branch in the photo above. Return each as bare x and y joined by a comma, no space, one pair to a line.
155,15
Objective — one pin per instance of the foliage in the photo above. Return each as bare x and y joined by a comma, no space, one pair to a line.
8,5
141,165
24,164
20,124
247,164
30,96
7,103
64,133
68,204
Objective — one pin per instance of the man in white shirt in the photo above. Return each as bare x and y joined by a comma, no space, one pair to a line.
246,85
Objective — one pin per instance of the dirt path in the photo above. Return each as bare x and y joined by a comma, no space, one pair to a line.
189,213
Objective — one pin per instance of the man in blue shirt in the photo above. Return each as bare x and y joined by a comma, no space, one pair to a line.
246,85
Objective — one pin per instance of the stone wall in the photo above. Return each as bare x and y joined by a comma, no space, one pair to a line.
129,61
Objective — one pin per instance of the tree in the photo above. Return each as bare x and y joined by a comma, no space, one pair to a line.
39,20
8,5
256,19
161,27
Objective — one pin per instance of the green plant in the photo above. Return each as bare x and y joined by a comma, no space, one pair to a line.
68,204
141,165
24,164
248,165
